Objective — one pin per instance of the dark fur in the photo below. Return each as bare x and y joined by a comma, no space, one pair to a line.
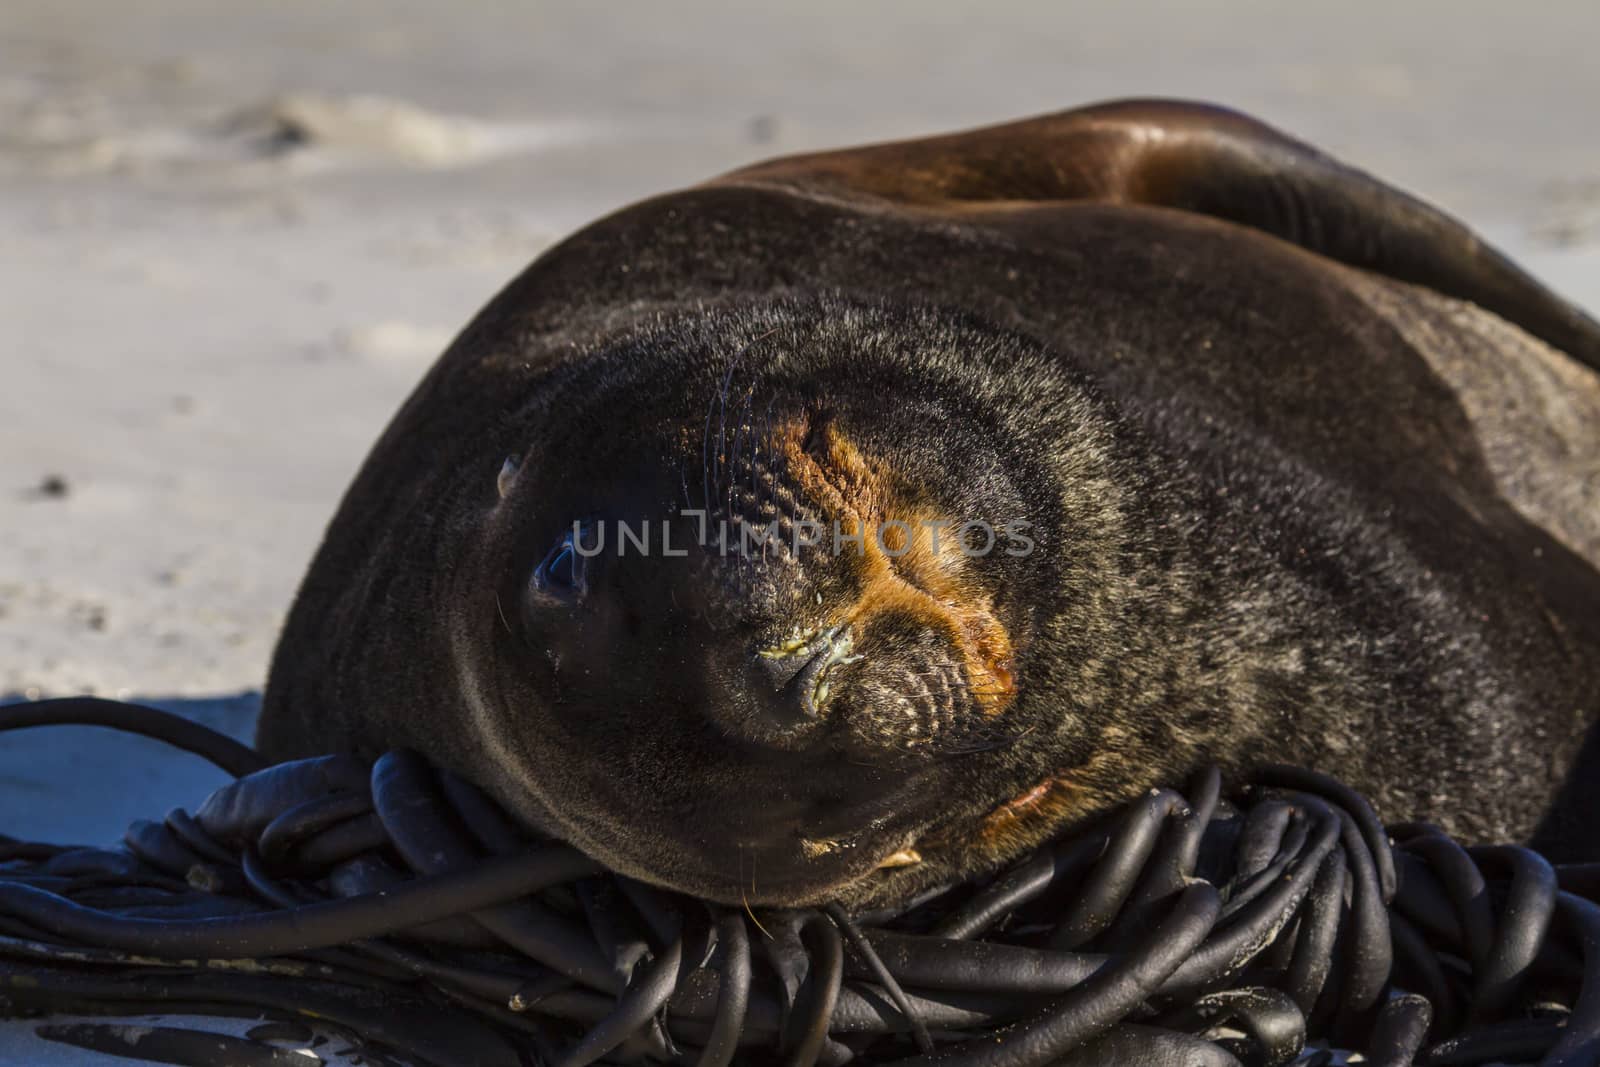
1282,512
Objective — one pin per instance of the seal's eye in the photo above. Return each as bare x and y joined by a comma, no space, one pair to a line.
561,575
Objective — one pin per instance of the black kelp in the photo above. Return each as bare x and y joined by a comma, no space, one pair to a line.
1280,923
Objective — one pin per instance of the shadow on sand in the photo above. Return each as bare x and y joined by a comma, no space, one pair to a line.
84,784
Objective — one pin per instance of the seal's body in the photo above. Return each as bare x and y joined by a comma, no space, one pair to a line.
1269,462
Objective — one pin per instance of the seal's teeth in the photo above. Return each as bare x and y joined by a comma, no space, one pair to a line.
507,475
906,857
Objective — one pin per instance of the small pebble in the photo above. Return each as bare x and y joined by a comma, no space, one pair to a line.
53,486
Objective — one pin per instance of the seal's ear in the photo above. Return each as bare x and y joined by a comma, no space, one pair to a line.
1200,159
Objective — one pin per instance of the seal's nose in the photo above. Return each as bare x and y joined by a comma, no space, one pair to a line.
798,670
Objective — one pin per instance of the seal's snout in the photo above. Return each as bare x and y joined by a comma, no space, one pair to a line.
800,668
778,697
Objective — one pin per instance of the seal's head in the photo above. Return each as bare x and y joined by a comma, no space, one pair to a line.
756,629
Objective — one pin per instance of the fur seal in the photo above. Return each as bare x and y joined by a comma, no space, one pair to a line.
1279,463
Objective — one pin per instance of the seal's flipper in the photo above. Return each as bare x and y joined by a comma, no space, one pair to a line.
1208,161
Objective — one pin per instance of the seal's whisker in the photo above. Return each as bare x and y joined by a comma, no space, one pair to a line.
959,683
722,418
745,430
987,746
772,467
705,458
755,459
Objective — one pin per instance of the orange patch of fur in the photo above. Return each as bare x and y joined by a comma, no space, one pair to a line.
928,582
1025,820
